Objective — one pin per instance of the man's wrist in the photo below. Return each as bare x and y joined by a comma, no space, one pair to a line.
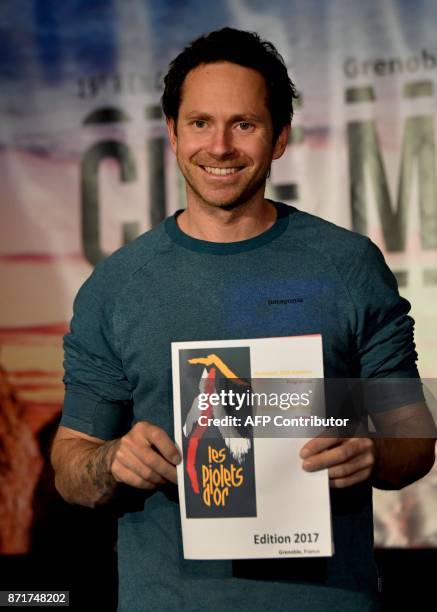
401,461
98,468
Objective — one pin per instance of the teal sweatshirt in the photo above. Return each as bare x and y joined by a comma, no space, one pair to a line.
301,276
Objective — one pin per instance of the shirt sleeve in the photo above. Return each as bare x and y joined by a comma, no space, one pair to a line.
98,398
384,335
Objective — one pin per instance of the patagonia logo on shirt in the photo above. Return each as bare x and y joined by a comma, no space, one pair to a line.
296,300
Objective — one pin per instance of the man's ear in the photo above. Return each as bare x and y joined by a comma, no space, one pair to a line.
171,129
281,141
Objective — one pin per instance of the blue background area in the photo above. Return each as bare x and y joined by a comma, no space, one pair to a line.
47,41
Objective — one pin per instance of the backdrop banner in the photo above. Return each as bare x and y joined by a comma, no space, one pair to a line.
85,167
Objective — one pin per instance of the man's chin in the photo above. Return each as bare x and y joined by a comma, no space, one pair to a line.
226,199
230,205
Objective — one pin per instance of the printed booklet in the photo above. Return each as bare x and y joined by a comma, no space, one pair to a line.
241,408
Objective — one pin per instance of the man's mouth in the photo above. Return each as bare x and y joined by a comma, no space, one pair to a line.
221,171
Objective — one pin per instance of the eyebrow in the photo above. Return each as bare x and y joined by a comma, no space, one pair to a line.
239,117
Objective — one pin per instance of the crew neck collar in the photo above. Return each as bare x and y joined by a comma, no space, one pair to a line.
228,248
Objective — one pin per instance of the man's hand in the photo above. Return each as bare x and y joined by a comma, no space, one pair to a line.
88,470
349,460
145,457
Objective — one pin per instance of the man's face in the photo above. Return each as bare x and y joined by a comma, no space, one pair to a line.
224,136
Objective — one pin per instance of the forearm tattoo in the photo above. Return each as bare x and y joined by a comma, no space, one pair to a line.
98,471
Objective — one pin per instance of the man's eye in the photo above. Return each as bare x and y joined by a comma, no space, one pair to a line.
199,123
244,126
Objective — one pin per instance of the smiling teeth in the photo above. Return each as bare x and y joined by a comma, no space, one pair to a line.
220,171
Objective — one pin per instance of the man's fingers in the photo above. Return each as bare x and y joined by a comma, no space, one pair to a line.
145,457
316,445
341,483
349,460
150,458
129,461
342,453
327,458
362,462
159,465
124,474
157,437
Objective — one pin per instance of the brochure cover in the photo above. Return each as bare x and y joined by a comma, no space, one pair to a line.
243,493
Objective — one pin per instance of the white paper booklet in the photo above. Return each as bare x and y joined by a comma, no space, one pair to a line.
242,490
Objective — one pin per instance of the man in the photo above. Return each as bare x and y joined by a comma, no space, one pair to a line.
219,270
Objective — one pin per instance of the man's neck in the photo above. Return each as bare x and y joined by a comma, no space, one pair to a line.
218,225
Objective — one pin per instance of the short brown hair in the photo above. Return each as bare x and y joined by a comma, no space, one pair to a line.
239,47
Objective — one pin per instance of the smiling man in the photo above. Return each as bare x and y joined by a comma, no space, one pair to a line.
232,265
224,150
224,140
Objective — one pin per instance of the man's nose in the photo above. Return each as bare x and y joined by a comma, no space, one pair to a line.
221,143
